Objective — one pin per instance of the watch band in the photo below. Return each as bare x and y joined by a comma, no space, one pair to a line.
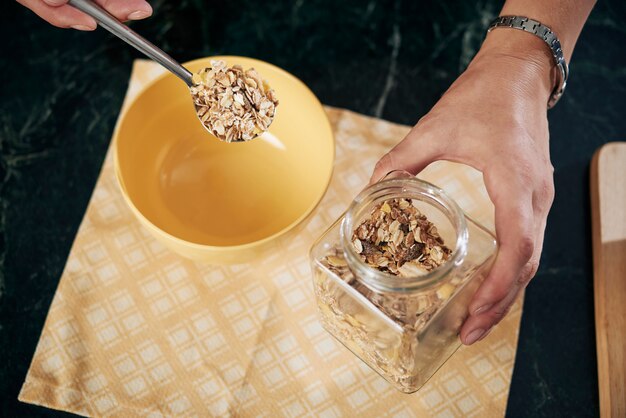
549,37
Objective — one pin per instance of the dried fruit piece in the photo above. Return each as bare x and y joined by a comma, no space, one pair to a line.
445,291
412,268
336,261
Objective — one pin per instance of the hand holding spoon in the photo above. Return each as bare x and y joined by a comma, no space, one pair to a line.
110,23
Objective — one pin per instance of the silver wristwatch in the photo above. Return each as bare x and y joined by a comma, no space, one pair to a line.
549,37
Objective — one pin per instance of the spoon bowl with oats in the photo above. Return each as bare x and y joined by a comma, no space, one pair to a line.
231,104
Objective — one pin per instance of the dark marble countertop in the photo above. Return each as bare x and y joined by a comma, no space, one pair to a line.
62,90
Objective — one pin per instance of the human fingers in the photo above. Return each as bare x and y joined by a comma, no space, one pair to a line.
487,320
517,255
418,149
61,14
121,9
127,9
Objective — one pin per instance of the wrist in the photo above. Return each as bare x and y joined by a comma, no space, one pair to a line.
526,57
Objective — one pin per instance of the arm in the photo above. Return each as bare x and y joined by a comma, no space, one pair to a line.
494,118
60,14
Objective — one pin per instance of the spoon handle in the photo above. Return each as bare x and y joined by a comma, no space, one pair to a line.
110,23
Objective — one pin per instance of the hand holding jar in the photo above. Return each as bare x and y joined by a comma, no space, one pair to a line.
493,121
494,118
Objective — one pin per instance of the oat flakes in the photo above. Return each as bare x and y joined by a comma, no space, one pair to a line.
234,104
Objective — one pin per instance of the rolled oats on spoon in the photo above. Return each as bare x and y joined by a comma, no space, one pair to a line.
234,104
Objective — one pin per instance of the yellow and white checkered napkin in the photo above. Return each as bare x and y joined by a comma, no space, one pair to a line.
135,330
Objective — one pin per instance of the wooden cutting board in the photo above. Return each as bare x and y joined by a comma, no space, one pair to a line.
608,212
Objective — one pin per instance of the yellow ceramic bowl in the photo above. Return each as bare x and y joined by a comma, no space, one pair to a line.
219,202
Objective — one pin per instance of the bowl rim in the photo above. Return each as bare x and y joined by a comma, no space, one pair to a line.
223,248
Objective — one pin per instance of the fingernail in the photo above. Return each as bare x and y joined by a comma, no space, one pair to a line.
482,337
482,309
82,27
139,14
473,336
55,2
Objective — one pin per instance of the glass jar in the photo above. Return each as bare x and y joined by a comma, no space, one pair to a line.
404,328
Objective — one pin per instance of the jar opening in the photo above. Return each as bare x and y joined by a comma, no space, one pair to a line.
433,202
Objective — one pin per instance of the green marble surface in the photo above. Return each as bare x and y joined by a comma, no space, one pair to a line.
61,92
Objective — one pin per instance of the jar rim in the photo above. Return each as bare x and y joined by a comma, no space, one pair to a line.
385,282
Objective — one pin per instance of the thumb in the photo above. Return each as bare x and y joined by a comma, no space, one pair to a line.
412,154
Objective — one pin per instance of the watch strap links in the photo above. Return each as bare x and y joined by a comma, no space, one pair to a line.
549,37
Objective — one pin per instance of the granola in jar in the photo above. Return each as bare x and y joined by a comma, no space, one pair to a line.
406,327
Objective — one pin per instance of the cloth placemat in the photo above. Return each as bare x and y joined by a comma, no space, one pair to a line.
135,330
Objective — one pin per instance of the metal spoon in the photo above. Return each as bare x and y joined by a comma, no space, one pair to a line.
110,23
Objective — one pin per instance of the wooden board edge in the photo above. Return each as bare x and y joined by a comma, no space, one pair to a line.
599,289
